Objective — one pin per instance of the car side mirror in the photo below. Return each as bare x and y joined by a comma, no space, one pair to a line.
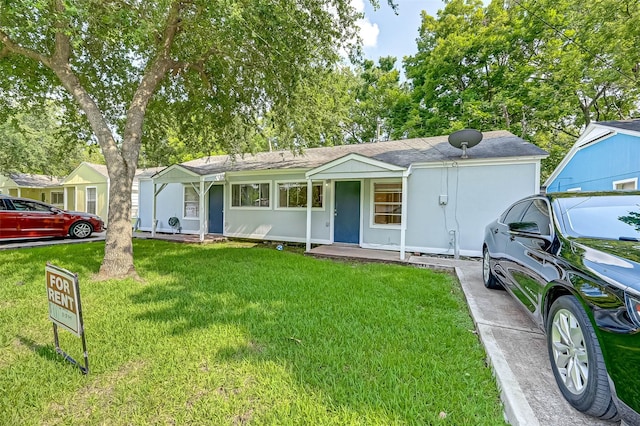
54,210
524,227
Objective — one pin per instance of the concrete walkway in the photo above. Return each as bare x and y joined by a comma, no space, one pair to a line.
516,348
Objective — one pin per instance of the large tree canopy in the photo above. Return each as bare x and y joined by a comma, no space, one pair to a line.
210,68
543,69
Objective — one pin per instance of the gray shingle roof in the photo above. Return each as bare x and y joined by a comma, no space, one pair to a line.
27,180
496,144
633,125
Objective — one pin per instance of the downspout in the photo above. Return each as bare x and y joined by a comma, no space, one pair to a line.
309,201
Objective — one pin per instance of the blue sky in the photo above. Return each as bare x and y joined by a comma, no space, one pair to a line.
387,34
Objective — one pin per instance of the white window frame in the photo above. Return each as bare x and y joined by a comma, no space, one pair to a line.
634,181
372,205
301,183
184,202
86,199
61,193
251,182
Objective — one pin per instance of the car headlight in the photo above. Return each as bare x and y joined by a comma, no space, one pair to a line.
633,306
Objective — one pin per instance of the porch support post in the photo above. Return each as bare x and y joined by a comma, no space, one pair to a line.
403,225
309,202
201,208
153,211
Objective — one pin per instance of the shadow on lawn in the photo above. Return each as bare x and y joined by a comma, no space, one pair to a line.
290,310
47,352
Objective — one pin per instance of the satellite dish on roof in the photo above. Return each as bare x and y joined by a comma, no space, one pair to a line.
465,138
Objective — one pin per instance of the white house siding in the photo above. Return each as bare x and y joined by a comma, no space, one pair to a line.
377,237
475,196
169,204
272,223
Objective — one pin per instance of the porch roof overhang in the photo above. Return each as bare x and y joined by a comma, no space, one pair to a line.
180,174
356,166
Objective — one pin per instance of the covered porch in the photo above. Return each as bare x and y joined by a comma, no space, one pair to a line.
194,199
357,212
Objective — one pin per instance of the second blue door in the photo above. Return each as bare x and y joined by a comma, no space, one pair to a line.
216,206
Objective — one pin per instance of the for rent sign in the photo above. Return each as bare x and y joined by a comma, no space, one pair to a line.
63,295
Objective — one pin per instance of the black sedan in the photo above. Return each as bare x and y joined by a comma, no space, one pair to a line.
573,261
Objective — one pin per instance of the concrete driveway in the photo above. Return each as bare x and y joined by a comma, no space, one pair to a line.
17,244
517,351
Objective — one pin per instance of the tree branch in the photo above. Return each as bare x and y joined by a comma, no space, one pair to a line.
152,77
564,131
9,46
62,52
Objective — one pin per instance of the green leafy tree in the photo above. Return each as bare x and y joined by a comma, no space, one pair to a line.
35,142
543,69
217,66
376,96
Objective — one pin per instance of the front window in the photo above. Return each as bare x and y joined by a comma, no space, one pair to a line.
191,203
57,198
294,194
250,195
608,217
387,203
92,203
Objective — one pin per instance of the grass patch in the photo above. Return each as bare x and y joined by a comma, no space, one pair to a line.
233,334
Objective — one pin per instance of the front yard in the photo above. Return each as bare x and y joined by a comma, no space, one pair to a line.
235,334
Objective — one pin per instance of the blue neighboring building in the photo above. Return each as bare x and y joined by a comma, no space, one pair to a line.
605,157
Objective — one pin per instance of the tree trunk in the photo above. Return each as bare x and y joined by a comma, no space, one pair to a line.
118,253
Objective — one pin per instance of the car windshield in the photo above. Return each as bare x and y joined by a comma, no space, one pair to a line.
615,217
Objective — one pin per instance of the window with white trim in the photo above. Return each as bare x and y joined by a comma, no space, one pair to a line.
387,203
92,200
57,198
191,203
626,184
294,194
250,195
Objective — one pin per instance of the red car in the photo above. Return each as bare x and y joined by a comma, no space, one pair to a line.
25,218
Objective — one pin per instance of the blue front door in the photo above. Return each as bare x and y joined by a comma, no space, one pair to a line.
347,212
216,206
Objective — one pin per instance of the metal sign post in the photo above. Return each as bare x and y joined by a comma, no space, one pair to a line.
65,309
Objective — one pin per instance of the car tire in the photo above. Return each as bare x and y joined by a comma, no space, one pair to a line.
576,359
81,230
490,280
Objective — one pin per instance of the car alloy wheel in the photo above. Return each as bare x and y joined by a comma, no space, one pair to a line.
488,278
569,351
576,359
81,230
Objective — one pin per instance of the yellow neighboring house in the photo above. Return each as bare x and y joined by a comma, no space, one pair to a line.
44,188
86,189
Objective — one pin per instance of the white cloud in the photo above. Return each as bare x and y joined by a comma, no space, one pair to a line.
368,31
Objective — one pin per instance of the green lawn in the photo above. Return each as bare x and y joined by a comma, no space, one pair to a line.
232,334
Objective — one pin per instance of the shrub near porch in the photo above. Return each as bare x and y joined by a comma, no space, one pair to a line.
234,334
